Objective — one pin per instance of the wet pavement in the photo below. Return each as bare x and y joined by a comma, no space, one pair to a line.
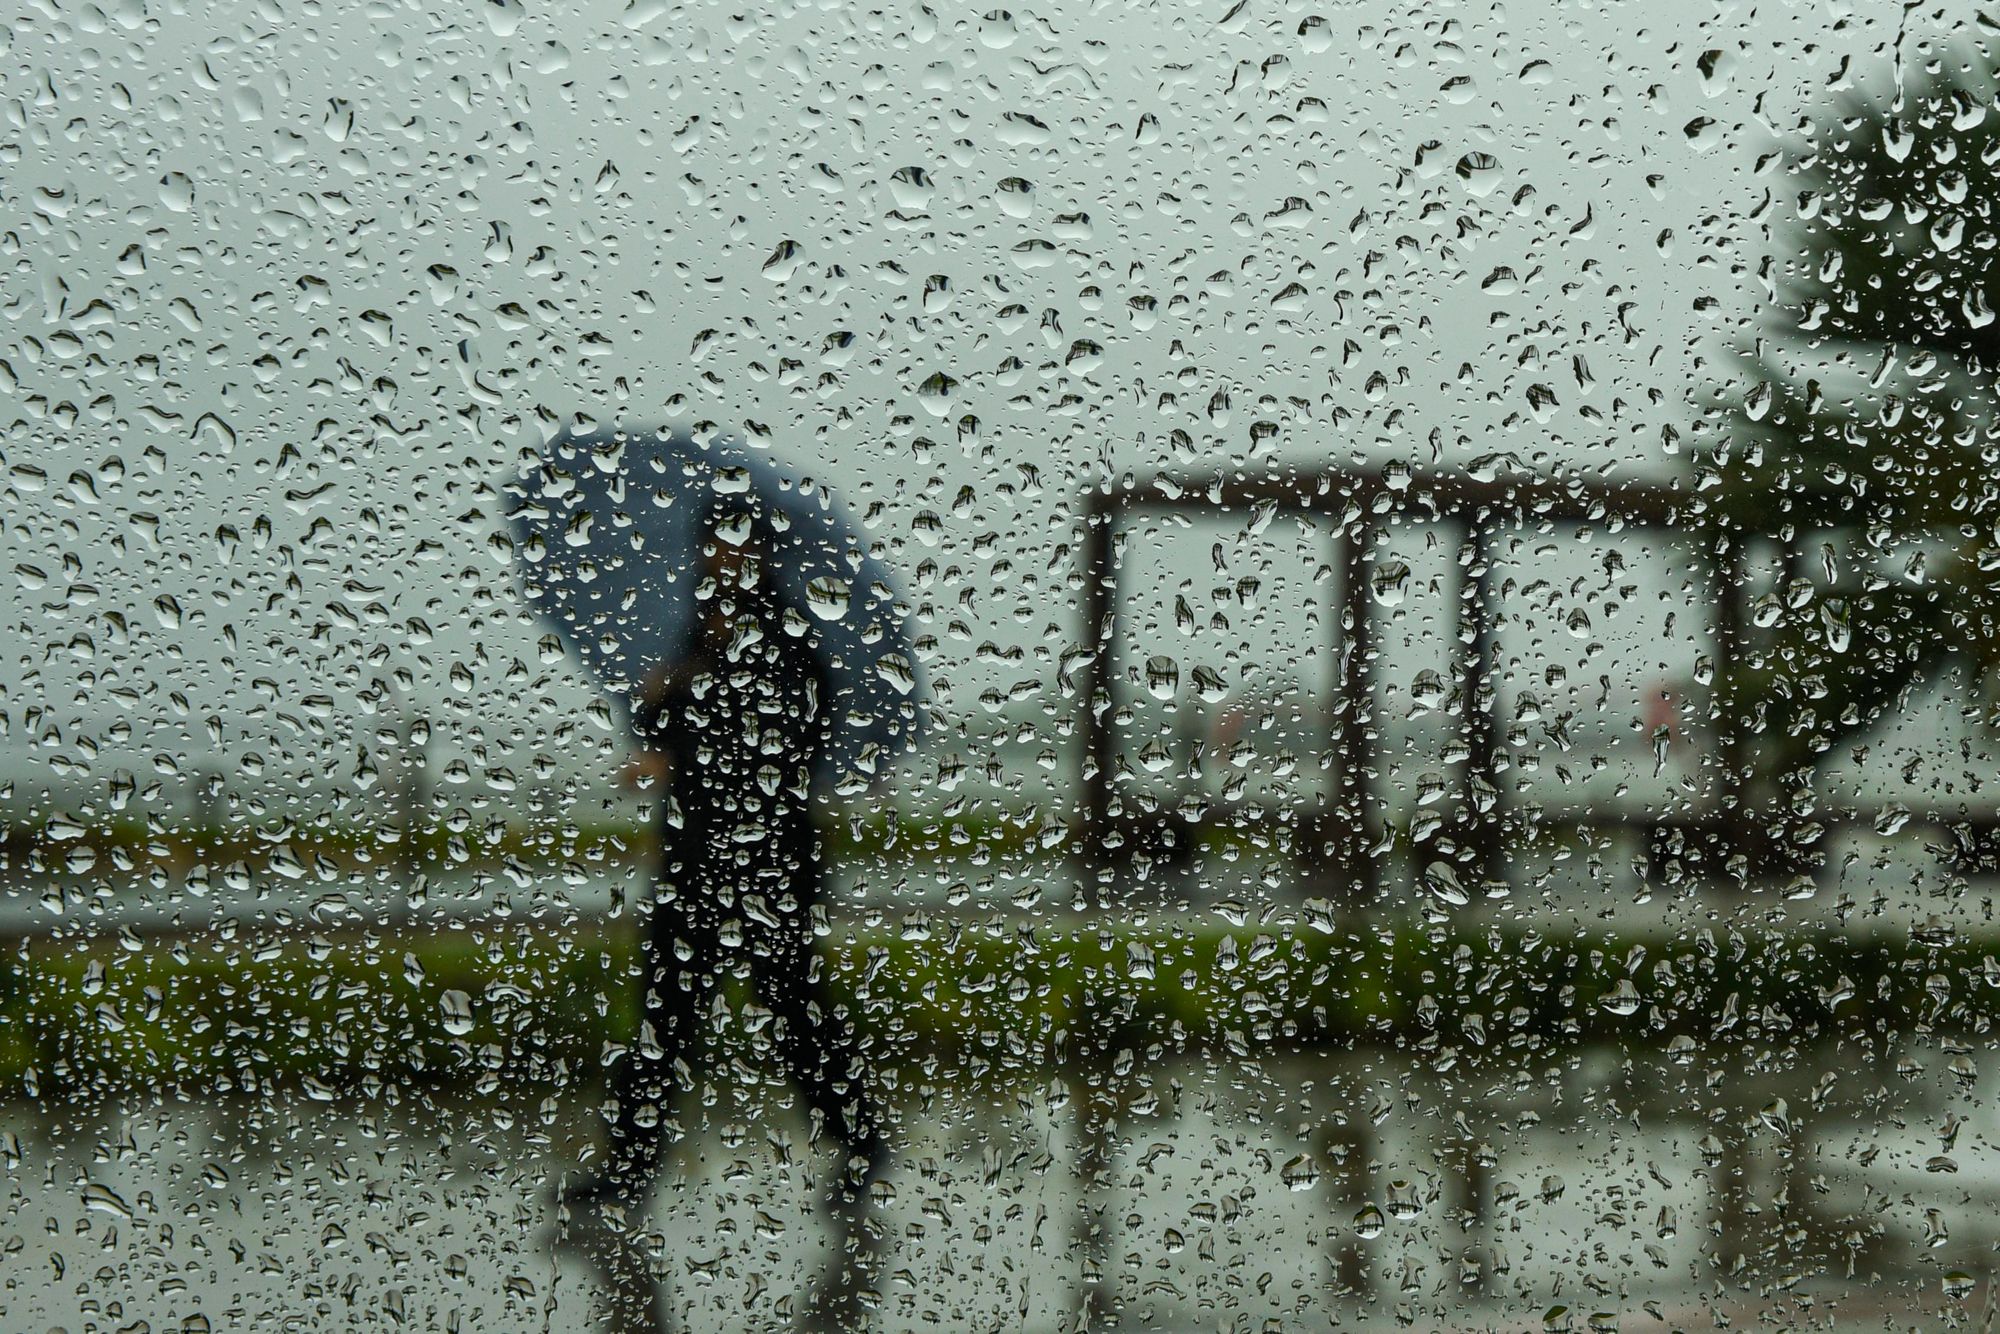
1261,1195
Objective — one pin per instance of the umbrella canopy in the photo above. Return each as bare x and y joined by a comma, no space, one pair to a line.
611,526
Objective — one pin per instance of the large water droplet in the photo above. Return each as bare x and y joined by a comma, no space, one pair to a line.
456,1008
1622,999
1391,583
828,597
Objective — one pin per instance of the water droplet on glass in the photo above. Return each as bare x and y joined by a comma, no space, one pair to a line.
456,1009
1391,583
1622,999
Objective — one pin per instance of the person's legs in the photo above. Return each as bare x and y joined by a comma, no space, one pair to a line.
822,1054
681,962
819,1048
679,966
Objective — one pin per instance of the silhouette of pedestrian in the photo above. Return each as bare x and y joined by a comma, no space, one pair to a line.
736,730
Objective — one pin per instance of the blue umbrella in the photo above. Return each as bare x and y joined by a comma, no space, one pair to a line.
611,525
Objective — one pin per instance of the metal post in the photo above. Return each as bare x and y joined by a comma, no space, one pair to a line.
1480,726
1353,833
1094,684
1736,824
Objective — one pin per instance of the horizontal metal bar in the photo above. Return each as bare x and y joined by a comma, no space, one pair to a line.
1559,499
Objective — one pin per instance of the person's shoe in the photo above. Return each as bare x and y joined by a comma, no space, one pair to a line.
603,1234
846,1293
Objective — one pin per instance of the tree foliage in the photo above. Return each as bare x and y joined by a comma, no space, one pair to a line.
1860,442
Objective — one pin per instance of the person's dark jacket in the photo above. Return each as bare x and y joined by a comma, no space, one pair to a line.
743,725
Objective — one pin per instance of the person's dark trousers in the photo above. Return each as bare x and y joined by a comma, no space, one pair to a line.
715,917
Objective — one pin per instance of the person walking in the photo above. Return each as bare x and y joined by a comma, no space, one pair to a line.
732,736
749,621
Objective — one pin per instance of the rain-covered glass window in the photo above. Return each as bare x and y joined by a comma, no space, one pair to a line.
1255,666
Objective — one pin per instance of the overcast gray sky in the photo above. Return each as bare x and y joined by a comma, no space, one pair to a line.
289,288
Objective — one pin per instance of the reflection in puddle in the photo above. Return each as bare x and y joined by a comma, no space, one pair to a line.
1285,1192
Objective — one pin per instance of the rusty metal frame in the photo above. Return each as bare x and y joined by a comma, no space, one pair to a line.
1483,506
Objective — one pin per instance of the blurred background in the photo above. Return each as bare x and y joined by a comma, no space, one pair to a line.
1452,552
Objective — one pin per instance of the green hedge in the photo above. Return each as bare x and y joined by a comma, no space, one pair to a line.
997,1002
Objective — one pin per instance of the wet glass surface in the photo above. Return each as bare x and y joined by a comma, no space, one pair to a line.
1260,668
